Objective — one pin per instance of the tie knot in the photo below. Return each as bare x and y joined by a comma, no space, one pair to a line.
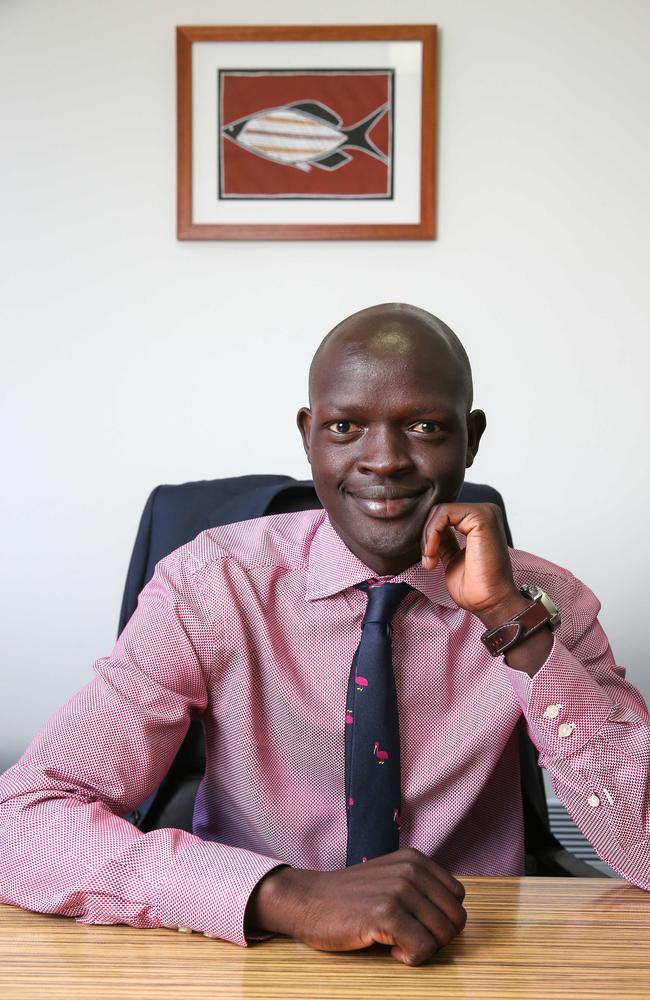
383,600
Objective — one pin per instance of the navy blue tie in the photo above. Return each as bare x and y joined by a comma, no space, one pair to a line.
372,761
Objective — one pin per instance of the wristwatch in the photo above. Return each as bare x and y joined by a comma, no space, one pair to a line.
541,611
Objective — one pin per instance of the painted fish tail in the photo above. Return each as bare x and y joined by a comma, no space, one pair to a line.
357,135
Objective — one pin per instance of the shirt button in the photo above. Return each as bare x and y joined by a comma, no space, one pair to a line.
205,934
552,712
593,800
566,729
185,930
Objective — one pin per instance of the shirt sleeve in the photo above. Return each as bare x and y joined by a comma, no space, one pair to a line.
65,847
592,730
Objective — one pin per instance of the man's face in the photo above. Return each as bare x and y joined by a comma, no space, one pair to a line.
388,436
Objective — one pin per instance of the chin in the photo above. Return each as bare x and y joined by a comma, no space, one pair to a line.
401,544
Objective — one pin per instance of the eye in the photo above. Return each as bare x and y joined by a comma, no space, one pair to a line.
341,427
425,427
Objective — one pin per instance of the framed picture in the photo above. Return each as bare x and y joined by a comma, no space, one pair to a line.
312,132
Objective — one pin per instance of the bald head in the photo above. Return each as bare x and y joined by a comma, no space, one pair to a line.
390,430
405,333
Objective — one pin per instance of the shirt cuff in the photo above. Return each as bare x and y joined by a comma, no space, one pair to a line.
208,887
564,705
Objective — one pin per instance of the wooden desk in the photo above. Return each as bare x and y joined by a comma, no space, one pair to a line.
583,939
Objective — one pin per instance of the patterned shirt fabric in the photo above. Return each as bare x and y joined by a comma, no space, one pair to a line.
252,627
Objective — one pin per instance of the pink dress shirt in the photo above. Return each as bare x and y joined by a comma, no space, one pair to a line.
253,626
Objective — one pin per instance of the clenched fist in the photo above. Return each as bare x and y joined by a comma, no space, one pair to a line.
403,900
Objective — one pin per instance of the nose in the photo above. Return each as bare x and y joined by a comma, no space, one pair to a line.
384,452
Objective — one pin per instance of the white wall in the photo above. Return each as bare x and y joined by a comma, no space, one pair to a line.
131,359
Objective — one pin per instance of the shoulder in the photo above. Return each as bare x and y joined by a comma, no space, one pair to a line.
278,540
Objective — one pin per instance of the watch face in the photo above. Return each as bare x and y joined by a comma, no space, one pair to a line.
551,607
536,593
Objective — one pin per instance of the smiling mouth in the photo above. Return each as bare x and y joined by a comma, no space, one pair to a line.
386,502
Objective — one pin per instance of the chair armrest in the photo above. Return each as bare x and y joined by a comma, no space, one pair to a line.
559,862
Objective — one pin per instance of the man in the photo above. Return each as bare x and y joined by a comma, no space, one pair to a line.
255,628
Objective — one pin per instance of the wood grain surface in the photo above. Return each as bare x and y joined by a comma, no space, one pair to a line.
552,938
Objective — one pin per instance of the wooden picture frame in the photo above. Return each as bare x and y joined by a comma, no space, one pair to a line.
268,151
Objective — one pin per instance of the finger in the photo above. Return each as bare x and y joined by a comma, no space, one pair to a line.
440,899
430,540
452,883
431,869
448,548
411,941
483,519
445,548
432,916
437,537
443,901
445,893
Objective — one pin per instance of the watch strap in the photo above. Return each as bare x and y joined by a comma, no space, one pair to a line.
502,638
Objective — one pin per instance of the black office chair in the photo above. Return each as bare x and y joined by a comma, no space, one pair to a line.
172,804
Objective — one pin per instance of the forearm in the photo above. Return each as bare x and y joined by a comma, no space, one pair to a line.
594,740
64,854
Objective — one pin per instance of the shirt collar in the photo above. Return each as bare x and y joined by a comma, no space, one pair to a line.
333,568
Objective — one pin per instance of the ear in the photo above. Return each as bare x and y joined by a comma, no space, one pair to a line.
476,424
304,426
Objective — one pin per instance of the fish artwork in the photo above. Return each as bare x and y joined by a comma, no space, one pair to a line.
305,134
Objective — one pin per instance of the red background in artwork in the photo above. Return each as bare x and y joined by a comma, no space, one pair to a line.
352,96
